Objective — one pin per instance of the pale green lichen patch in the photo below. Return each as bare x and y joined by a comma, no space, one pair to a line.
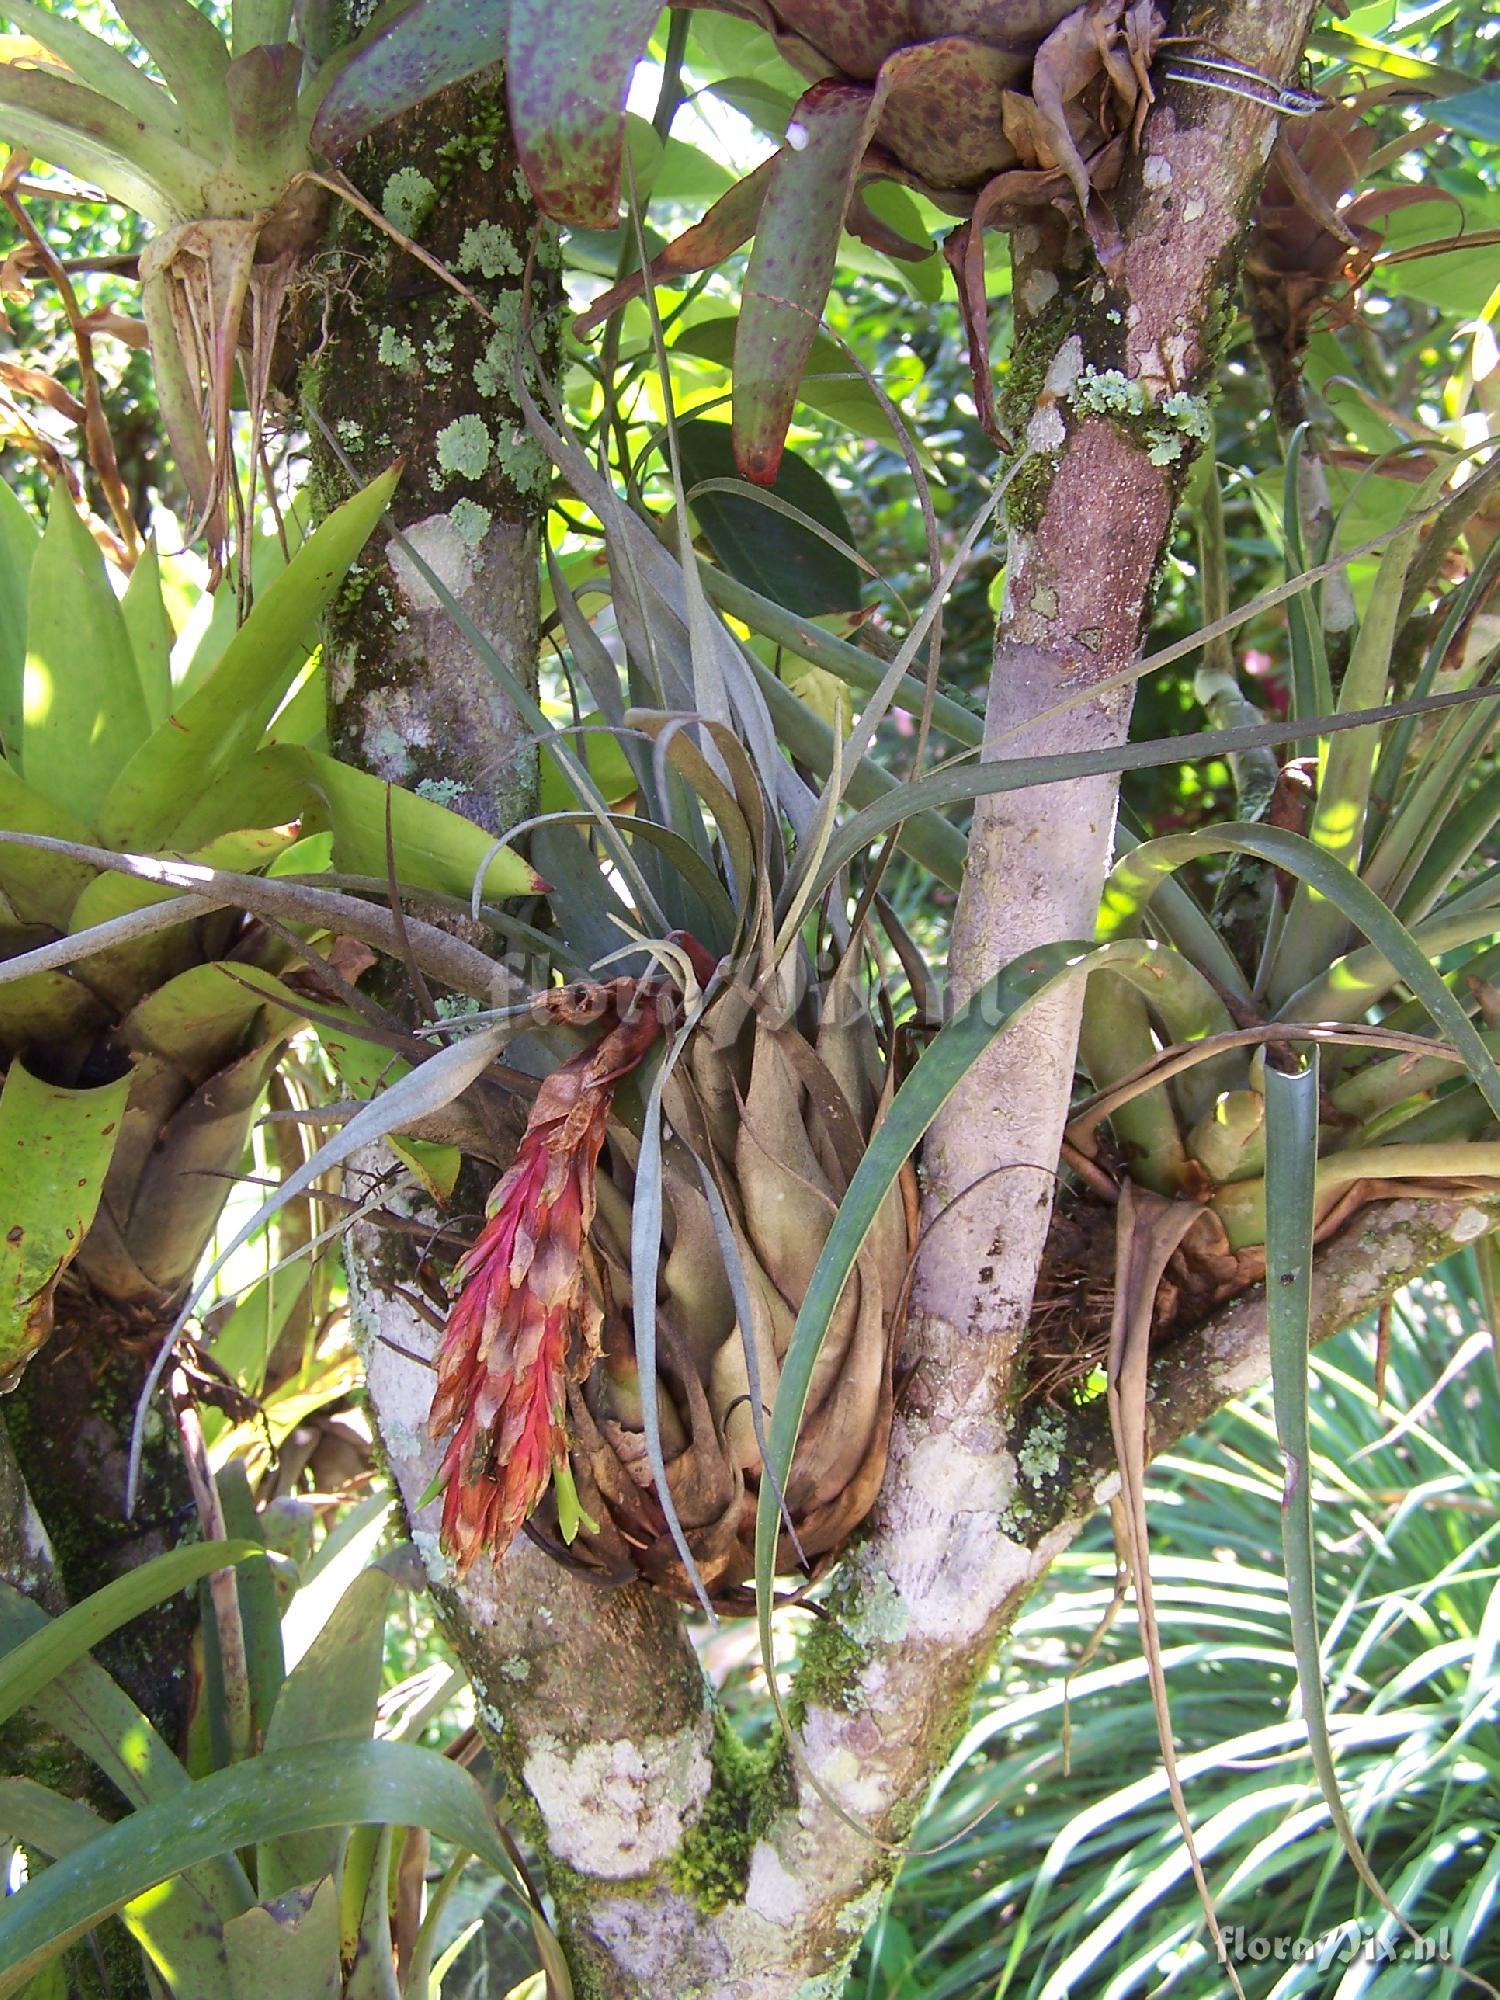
874,1610
406,200
1105,392
464,448
396,350
471,520
490,251
1188,414
441,791
1040,1455
523,461
350,433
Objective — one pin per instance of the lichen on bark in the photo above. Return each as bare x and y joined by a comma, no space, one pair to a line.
399,364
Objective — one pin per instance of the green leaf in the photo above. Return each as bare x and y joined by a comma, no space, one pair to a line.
434,848
830,384
19,539
93,61
364,1069
215,730
767,550
55,1149
243,1344
1130,884
569,70
176,1927
289,1951
1291,1172
1476,112
329,1696
791,267
192,56
260,1607
27,1668
324,1786
84,712
43,888
97,139
150,632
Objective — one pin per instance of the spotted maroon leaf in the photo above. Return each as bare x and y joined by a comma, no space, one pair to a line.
568,65
791,266
433,44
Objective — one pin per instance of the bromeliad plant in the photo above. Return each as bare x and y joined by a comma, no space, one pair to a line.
1378,922
622,1322
137,1031
222,145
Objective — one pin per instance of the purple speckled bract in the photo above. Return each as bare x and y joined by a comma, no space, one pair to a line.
568,67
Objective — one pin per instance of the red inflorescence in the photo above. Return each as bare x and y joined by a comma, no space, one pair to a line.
525,1321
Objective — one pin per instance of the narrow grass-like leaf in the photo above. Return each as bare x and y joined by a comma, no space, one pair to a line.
27,1668
960,783
327,1785
1314,931
1129,888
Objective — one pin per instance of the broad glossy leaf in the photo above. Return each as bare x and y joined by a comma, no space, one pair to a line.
55,1149
1455,280
27,1668
830,384
83,708
400,63
19,537
219,726
768,551
569,69
326,1785
1475,112
434,848
42,888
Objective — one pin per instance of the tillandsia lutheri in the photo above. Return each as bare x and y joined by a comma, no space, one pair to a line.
645,1410
998,110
